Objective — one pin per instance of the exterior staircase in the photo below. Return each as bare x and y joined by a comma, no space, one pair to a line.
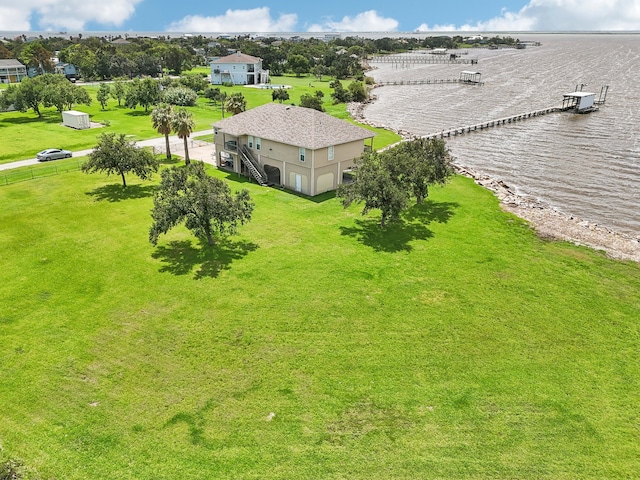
257,172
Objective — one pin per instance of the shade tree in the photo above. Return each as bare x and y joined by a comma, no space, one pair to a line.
142,92
424,162
114,154
103,94
376,187
279,95
205,204
388,180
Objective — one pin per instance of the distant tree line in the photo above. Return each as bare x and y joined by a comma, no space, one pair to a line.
48,90
106,58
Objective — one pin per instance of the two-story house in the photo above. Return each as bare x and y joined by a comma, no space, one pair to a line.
298,148
12,71
238,69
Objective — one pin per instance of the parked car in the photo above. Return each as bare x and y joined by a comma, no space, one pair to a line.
53,154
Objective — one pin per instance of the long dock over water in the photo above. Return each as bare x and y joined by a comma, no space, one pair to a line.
422,59
492,123
427,82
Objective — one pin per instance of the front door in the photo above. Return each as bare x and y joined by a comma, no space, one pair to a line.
298,182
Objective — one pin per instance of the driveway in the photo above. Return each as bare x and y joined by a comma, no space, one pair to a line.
199,151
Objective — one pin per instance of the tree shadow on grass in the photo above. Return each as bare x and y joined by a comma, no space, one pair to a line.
397,236
181,257
175,160
394,237
22,120
138,113
234,177
430,211
116,192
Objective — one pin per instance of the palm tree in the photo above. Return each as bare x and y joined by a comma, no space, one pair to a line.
162,118
183,126
236,103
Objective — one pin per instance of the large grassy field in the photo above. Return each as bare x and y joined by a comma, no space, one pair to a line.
25,134
455,344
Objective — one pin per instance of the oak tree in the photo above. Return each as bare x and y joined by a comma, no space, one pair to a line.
115,154
376,186
204,203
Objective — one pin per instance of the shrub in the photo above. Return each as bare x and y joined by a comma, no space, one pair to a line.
182,96
195,82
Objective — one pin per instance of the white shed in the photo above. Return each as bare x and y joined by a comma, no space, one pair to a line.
581,102
75,119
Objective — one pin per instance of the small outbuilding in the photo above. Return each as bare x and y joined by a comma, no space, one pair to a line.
75,119
581,102
468,76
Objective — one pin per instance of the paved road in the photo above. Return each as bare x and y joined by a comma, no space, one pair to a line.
153,142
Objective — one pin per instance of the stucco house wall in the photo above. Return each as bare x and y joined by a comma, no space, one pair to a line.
275,135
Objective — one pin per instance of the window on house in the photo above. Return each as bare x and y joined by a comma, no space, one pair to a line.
330,152
257,143
250,141
302,154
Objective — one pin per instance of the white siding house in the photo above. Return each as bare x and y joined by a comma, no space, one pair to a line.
12,71
238,69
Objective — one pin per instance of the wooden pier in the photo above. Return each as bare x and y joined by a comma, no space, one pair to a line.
422,59
492,123
428,82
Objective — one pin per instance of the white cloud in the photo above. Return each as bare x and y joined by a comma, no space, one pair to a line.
63,14
558,15
368,21
252,20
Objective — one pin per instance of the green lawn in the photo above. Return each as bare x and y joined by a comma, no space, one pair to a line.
25,134
313,345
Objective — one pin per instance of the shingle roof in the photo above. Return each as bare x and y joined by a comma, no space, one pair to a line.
237,57
11,62
299,126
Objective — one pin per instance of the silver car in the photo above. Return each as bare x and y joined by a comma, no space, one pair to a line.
53,154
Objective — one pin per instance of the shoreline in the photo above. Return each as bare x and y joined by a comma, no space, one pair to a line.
548,222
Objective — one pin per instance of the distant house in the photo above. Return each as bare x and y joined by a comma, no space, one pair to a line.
12,71
120,41
69,70
238,69
298,148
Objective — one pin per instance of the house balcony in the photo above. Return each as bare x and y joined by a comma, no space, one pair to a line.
231,145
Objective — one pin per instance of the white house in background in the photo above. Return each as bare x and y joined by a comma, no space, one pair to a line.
12,71
238,69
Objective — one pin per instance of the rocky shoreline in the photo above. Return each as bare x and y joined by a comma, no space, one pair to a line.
547,221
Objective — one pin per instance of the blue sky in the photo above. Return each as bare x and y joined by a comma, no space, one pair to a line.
327,15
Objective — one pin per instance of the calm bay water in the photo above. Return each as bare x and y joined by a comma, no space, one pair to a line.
584,165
